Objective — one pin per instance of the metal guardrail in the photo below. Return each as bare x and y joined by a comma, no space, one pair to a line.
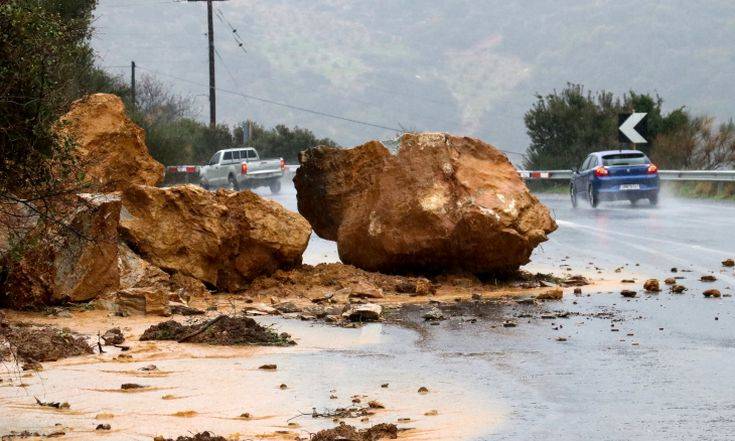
189,173
665,175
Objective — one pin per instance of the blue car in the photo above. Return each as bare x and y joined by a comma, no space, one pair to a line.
615,175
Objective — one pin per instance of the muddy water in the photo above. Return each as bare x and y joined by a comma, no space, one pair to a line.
208,388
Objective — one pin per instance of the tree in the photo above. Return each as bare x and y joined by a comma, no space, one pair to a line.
282,141
45,52
566,126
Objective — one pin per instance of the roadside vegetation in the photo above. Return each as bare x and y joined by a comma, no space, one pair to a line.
565,126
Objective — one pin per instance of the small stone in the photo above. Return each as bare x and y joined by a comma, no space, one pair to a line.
708,278
670,281
577,290
432,412
674,270
678,289
627,281
268,367
728,263
103,427
423,390
712,293
283,386
651,285
113,336
628,293
149,368
509,324
376,405
131,386
476,296
434,314
384,385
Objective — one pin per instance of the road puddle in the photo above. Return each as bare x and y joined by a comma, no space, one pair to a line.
221,389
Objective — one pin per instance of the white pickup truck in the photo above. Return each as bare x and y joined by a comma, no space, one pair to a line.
242,168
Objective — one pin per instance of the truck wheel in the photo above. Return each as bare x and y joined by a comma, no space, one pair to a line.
275,186
233,183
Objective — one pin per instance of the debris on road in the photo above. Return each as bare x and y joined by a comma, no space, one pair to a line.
222,330
345,432
368,312
712,293
31,343
652,285
678,289
203,436
113,336
460,205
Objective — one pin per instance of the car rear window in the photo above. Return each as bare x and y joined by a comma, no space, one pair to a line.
625,159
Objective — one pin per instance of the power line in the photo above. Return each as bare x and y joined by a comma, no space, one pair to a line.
277,103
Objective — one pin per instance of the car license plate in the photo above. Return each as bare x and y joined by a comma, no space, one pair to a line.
630,187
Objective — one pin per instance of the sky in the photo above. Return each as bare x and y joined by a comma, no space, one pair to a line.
469,67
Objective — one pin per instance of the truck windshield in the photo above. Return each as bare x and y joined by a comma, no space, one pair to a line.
625,159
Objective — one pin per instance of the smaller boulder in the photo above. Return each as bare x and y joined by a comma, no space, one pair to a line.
367,312
135,301
628,293
729,263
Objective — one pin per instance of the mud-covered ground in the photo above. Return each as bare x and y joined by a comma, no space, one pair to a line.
471,360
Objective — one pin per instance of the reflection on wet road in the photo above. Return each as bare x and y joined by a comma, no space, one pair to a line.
655,367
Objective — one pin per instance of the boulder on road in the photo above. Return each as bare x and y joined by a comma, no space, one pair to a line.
110,148
441,202
75,261
225,239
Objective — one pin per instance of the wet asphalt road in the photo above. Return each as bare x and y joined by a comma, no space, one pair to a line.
665,373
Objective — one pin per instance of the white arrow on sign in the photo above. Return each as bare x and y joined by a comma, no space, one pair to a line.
628,128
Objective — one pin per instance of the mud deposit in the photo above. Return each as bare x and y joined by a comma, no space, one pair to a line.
221,330
27,343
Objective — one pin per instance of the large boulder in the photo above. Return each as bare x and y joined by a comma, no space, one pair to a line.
110,148
224,239
76,260
441,202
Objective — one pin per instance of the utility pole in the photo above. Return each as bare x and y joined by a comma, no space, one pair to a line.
132,84
210,37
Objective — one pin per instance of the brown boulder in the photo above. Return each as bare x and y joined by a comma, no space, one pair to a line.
110,147
224,239
75,261
441,202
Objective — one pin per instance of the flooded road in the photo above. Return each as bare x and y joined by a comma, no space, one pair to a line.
657,367
592,366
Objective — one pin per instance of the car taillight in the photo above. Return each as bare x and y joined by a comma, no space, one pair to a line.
283,164
601,171
244,168
652,169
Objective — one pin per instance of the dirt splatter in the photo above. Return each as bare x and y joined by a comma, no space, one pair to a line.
204,436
